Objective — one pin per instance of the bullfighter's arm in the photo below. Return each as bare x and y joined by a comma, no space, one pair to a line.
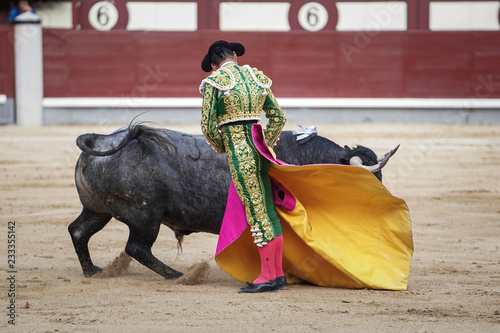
209,119
276,119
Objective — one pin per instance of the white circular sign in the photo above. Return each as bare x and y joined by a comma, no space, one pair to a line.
103,16
313,16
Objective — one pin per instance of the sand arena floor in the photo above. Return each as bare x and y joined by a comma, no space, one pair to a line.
448,175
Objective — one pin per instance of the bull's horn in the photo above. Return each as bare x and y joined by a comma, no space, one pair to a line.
356,161
380,158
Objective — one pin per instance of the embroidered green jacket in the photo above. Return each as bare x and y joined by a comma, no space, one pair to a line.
233,93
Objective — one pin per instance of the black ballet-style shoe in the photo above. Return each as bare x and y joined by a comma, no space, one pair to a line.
264,287
281,280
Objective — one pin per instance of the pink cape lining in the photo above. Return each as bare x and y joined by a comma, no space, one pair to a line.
235,221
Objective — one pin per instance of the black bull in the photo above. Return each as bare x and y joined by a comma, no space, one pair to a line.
145,177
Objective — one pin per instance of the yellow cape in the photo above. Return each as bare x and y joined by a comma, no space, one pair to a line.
346,230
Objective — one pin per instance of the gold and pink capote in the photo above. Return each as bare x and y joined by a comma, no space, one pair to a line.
341,228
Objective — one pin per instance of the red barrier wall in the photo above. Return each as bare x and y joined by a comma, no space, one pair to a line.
326,64
6,61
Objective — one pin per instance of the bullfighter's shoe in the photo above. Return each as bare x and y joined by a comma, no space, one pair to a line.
281,280
264,287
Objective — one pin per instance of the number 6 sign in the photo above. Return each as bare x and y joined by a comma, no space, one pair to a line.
103,16
313,16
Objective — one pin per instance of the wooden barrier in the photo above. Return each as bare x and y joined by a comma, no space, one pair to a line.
411,64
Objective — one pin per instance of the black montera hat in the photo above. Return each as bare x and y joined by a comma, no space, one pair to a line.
238,48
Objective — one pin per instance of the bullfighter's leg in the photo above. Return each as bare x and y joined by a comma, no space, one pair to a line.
139,246
86,225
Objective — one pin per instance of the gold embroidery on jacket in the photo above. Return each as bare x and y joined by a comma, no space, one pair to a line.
239,93
247,181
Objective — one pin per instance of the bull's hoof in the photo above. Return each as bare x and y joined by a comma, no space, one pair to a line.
174,275
92,271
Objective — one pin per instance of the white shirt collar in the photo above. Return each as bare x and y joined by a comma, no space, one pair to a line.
229,62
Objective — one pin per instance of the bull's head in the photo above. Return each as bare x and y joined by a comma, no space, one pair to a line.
365,158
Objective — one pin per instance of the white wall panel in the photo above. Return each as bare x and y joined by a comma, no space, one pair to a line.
162,16
55,14
372,16
464,15
254,16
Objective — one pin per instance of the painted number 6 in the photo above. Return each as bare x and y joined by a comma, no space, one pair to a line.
313,16
103,16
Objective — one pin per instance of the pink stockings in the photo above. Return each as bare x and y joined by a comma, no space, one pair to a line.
271,260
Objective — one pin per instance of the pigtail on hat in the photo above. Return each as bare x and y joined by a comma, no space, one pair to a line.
238,48
206,63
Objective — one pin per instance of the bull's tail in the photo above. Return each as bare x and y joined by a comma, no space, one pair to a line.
105,145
